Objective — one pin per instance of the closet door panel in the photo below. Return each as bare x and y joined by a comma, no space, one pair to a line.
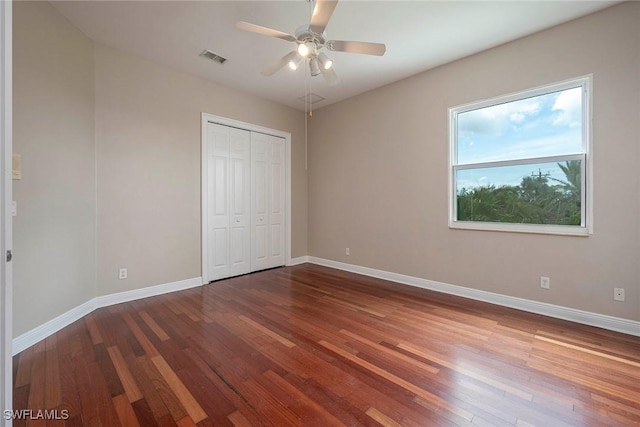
218,200
240,202
276,201
260,203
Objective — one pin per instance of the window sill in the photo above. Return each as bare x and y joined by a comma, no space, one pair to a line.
558,230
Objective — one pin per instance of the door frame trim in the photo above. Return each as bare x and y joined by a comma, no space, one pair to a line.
6,185
210,118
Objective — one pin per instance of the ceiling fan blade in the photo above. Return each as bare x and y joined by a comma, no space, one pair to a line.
247,26
329,75
366,48
321,14
276,66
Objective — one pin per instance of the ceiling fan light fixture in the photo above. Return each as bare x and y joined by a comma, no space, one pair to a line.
295,62
303,49
325,61
313,66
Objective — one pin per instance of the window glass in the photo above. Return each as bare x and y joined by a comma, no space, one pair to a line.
537,193
522,159
540,126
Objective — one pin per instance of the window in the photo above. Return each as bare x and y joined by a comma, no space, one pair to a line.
520,162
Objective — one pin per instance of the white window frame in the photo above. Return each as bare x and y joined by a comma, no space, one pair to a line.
586,205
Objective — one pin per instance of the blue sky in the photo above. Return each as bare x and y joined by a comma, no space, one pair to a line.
546,125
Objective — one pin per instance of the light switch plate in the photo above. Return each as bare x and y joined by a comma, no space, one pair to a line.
16,166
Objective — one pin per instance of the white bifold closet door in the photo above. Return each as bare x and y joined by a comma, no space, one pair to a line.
245,198
267,196
229,200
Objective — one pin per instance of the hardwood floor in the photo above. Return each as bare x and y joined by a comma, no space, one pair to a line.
312,346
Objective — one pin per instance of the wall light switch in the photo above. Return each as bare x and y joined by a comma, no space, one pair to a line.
16,166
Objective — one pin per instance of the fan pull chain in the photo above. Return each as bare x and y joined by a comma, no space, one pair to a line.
306,98
307,72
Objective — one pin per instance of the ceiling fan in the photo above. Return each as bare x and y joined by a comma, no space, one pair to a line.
310,40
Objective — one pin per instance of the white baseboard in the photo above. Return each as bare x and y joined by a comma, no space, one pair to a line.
120,297
617,324
299,260
41,332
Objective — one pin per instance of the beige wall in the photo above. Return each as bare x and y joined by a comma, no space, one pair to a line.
54,234
148,150
378,172
110,146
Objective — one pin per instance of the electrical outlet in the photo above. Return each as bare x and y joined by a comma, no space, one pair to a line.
122,273
618,294
545,282
346,251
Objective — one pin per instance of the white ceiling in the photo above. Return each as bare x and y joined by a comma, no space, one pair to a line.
419,35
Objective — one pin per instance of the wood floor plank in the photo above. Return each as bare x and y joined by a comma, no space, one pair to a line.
186,422
463,370
143,412
239,420
52,394
393,354
126,414
153,325
37,389
267,331
164,390
185,397
69,387
94,332
589,351
144,341
152,398
309,411
429,397
228,400
22,376
126,378
108,370
382,418
269,407
313,346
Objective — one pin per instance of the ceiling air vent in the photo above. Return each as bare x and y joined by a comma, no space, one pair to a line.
213,56
311,97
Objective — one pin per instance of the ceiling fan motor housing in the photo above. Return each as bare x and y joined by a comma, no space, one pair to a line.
305,35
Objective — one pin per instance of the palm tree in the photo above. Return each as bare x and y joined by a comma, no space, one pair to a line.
569,205
572,183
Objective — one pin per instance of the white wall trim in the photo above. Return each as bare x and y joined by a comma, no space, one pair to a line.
151,291
298,260
6,185
49,328
617,324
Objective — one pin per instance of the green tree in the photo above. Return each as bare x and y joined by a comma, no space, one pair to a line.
533,201
571,187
